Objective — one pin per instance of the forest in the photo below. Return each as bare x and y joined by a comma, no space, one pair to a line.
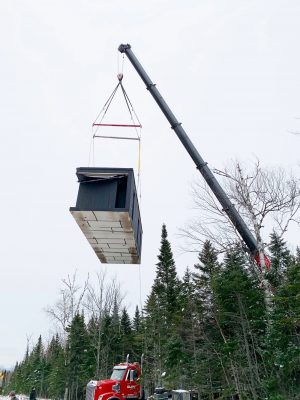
211,331
227,329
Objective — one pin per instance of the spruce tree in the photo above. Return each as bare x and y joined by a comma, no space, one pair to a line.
163,313
79,357
283,341
31,371
280,260
56,376
115,342
205,364
108,337
126,337
137,320
206,270
240,318
187,348
13,383
153,342
95,337
138,326
37,368
166,284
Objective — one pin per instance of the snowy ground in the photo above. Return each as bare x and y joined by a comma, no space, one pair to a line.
19,396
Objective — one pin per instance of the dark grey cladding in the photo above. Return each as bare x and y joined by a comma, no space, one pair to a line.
107,212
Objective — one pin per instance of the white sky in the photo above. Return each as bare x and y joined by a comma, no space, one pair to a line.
230,72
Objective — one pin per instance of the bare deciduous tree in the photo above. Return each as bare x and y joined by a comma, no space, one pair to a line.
99,301
100,296
267,199
68,304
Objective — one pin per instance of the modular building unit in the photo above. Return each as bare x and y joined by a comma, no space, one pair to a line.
107,212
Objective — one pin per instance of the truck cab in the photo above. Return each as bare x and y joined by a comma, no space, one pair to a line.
123,384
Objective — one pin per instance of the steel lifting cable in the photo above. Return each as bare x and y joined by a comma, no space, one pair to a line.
108,103
136,124
130,106
103,111
105,108
132,115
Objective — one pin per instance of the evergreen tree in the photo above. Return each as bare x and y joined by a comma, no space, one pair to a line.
79,357
188,332
31,371
138,334
163,312
37,369
153,342
94,329
125,323
166,285
210,331
56,377
109,336
205,376
126,336
206,269
239,316
280,259
283,341
115,342
137,320
13,382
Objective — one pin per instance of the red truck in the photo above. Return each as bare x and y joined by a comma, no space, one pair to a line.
124,383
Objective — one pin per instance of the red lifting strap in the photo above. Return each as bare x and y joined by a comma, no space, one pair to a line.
120,125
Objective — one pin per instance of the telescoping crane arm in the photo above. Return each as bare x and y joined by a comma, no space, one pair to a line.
201,165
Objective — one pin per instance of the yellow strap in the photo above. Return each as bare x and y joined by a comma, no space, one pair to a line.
139,158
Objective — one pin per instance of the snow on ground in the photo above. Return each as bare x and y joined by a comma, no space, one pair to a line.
19,396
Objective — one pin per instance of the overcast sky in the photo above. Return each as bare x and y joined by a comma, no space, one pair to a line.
228,69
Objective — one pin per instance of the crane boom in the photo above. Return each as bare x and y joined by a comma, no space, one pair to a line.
201,165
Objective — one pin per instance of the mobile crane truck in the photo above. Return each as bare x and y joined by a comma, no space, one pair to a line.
125,379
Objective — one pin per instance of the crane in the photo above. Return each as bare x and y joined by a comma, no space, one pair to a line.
260,258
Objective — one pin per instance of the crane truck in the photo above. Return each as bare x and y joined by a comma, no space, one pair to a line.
124,382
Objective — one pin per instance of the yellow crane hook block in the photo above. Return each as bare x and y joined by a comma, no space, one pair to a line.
107,212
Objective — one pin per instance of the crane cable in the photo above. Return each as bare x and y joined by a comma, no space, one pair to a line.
136,124
139,135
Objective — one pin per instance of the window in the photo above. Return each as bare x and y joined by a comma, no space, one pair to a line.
134,375
118,374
